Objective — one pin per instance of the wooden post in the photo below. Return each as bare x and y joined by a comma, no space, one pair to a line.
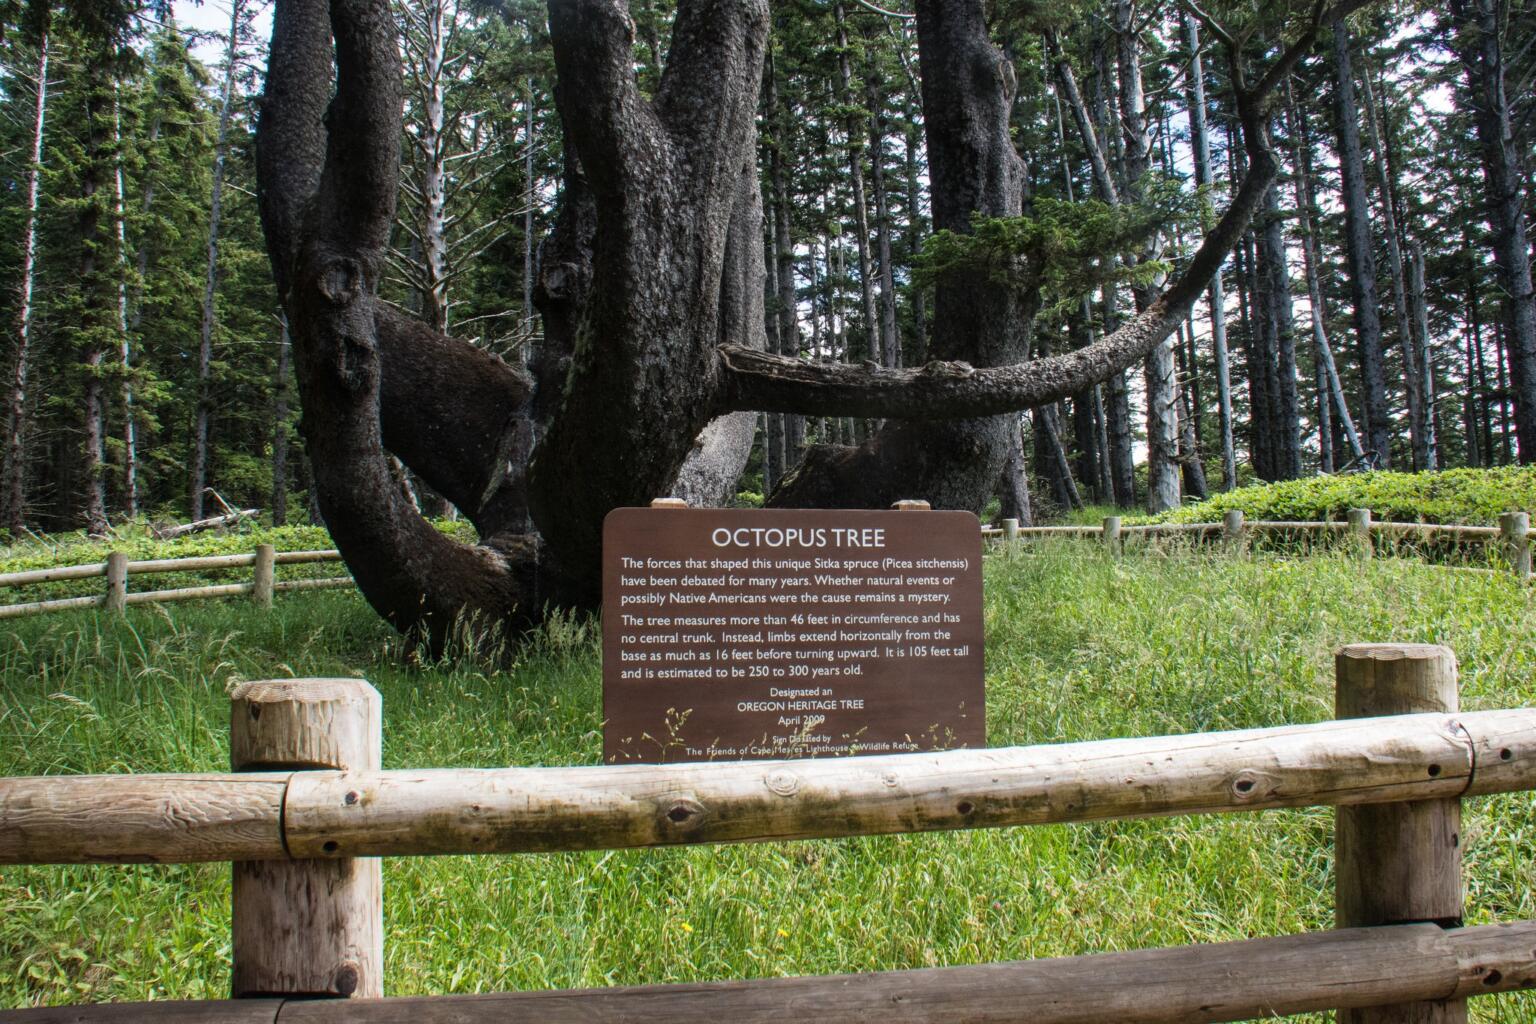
668,503
265,575
1112,532
1398,863
1515,527
1233,531
1360,531
911,505
116,597
1010,532
310,928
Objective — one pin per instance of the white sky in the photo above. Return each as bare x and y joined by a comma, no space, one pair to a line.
212,16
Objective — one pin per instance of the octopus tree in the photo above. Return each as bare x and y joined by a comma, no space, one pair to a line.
650,288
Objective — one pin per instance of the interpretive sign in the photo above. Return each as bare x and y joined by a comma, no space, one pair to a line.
734,634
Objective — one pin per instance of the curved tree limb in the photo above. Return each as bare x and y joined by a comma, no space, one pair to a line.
329,245
956,390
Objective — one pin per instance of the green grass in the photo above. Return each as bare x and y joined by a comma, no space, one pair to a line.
1079,646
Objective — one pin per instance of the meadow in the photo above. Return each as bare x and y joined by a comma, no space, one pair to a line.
1080,645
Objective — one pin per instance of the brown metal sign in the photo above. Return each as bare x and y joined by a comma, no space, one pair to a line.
734,634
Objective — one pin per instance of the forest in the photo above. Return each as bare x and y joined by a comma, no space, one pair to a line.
1372,307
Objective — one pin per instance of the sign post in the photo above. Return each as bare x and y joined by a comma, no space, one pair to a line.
736,634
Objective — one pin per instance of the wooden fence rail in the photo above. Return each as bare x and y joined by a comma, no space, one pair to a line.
117,569
308,898
327,814
1512,533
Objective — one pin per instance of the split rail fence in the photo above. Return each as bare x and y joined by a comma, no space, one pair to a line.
117,569
307,918
1512,535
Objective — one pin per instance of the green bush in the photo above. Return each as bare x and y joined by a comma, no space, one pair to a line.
1475,497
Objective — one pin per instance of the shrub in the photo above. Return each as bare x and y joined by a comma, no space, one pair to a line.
1467,496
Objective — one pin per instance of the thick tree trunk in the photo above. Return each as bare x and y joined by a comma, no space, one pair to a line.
199,467
967,93
13,486
1359,250
1475,36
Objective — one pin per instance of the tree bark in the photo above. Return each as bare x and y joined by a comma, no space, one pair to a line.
1359,250
1013,485
1201,141
1475,37
1398,278
13,495
1163,484
280,430
99,301
1285,421
1424,362
890,346
120,227
788,304
854,131
199,474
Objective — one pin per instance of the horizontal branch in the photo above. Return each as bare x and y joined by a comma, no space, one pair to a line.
326,814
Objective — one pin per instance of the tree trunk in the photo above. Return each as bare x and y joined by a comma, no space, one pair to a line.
1398,278
915,236
1475,37
967,95
280,431
1259,360
1013,484
787,308
1329,389
1358,249
1191,468
13,486
890,346
530,187
120,224
211,275
1424,361
99,313
853,129
1285,422
1163,484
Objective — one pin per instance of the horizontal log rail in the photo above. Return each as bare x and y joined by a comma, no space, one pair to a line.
1512,533
118,569
1228,981
332,814
307,923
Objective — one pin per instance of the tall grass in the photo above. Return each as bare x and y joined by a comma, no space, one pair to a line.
1080,646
